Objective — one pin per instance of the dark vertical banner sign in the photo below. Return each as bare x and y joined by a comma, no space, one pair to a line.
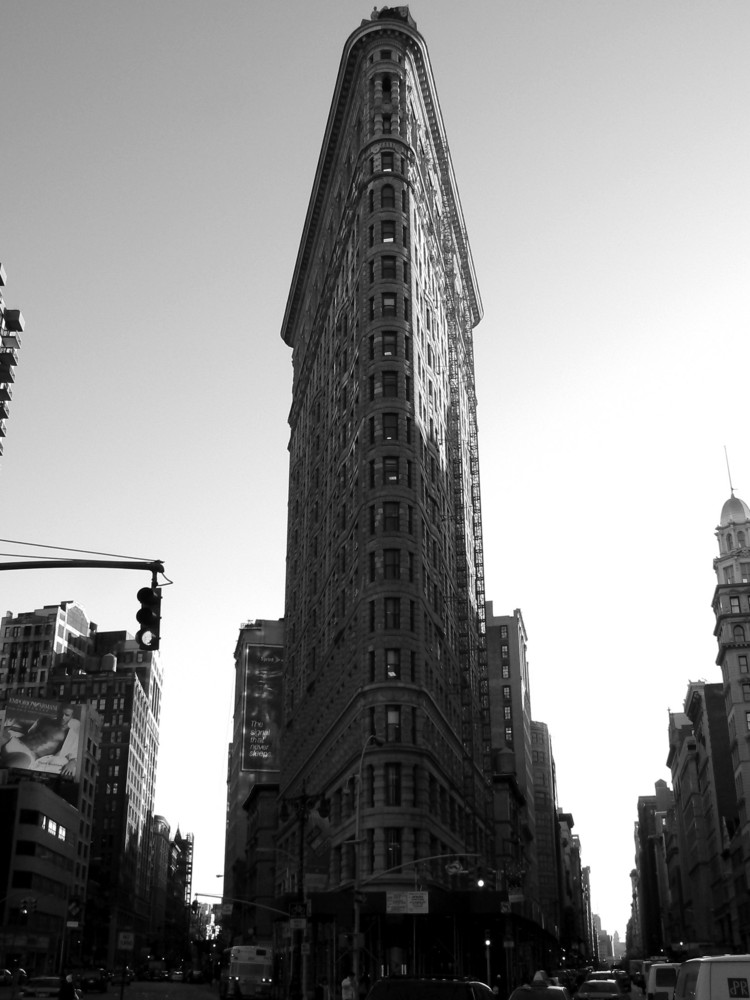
264,666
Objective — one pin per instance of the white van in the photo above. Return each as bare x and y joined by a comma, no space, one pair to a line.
717,977
661,979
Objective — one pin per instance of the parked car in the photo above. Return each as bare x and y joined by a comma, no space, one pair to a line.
612,976
41,986
94,981
600,989
401,988
661,979
6,977
718,977
540,991
120,976
176,976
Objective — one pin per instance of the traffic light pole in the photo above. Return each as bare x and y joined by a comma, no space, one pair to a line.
155,567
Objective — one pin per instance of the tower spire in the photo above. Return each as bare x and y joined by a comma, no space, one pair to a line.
729,471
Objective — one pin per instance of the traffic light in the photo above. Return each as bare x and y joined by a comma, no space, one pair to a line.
149,617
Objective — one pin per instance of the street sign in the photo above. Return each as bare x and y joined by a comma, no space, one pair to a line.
407,902
126,940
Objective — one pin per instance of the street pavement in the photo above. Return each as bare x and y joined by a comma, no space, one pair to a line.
145,991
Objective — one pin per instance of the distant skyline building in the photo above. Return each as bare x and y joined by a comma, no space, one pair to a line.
547,835
703,913
385,706
253,774
55,656
11,328
731,605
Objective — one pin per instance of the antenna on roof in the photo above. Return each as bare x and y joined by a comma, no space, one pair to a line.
729,471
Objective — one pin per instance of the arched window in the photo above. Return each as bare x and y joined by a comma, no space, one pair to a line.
387,196
739,633
729,542
741,539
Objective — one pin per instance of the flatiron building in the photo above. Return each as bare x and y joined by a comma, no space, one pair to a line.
385,700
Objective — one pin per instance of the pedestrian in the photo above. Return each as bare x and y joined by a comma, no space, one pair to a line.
67,989
348,988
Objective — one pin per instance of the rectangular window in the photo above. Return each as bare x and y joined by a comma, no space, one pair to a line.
388,231
388,268
390,384
734,605
506,692
742,661
393,664
390,344
392,847
393,724
392,564
390,516
387,196
393,784
745,572
390,426
386,162
392,612
747,721
390,469
389,304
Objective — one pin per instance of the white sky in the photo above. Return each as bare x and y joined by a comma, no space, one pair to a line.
157,160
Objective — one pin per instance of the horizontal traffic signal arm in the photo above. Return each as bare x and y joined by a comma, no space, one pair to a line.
155,567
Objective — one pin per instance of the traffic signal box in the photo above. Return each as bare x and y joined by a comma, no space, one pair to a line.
149,617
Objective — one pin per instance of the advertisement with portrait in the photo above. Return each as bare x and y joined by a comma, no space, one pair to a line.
264,665
42,736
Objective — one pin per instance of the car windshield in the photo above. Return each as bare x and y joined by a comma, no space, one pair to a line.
600,986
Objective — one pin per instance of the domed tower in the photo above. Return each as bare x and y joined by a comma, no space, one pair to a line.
731,606
733,562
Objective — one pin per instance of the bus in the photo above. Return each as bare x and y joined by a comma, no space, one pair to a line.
246,972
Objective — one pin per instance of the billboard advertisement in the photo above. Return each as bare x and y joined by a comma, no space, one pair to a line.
41,736
264,666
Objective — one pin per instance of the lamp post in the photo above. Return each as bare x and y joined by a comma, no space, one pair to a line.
303,805
372,738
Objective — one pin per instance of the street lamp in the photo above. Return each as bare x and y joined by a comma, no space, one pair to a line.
303,805
372,738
